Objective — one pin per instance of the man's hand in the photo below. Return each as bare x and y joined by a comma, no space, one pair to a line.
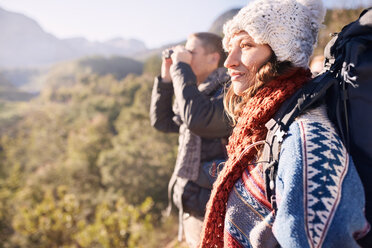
180,54
165,73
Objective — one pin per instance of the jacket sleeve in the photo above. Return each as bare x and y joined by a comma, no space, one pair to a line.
319,194
161,113
204,116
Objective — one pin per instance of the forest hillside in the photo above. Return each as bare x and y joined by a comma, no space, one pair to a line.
80,165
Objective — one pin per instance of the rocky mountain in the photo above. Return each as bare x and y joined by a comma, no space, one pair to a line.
24,43
217,25
216,28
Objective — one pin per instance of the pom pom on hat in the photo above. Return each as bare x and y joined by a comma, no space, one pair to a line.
289,27
316,7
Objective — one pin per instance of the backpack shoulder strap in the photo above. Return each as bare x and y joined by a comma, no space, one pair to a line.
278,126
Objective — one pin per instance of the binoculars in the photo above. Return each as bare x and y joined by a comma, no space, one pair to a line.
167,53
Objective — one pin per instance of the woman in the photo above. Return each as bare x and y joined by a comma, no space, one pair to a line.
320,197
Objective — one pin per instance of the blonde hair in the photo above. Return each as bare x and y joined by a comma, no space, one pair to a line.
271,69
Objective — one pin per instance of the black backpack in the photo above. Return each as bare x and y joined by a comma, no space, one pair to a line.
346,87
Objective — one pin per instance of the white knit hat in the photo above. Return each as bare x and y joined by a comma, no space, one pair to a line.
289,27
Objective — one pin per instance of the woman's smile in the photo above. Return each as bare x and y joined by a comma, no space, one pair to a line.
236,75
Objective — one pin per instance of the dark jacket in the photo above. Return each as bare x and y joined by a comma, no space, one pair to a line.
201,111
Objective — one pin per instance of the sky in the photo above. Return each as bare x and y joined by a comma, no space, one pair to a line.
155,22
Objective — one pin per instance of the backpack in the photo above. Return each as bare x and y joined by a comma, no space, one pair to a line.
345,86
192,196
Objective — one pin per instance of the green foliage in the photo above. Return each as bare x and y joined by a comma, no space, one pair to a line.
50,223
118,225
119,67
152,66
334,20
88,161
9,186
59,221
67,74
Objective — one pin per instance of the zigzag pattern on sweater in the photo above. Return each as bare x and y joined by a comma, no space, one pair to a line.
237,234
250,200
325,166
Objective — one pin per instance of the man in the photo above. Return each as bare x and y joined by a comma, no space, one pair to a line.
195,77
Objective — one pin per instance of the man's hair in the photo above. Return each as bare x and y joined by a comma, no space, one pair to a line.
212,43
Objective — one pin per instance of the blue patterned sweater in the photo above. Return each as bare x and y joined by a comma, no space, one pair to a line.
319,193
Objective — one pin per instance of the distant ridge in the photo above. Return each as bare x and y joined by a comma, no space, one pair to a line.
23,43
217,25
216,28
69,72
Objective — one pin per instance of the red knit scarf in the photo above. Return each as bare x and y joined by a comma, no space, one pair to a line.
249,129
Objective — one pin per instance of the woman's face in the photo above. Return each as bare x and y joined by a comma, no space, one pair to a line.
244,59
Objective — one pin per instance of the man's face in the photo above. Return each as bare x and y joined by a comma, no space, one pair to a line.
201,62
